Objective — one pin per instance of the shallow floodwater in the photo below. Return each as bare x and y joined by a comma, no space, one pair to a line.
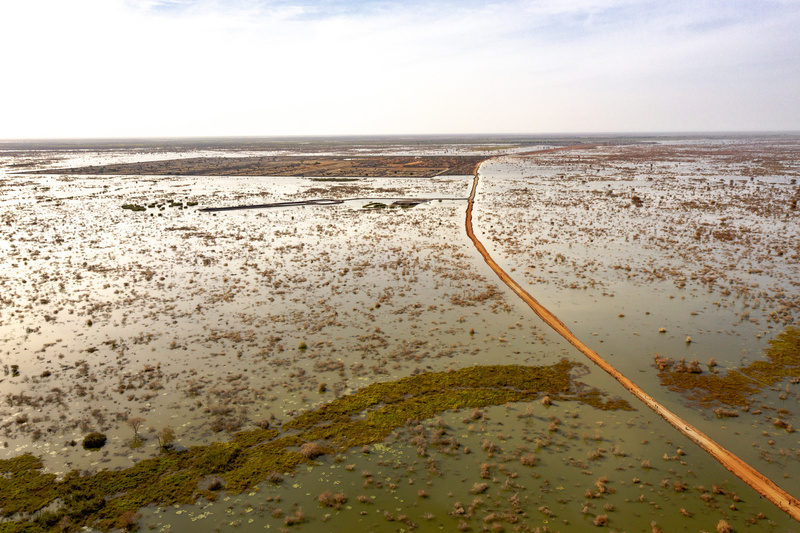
196,320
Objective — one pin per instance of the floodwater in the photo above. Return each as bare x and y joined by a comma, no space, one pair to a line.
194,320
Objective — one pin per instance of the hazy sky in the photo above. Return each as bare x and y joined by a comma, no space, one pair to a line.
97,68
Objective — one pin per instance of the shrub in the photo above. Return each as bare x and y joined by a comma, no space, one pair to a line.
94,441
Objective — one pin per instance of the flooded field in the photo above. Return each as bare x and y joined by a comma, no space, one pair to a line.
316,367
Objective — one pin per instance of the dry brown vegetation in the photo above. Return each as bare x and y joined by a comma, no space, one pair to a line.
318,166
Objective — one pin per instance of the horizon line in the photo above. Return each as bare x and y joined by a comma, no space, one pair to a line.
654,133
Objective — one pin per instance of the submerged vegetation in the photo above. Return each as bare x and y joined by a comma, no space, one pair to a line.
110,499
735,387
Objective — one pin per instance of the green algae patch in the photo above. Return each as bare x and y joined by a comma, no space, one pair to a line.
735,387
438,391
22,485
103,499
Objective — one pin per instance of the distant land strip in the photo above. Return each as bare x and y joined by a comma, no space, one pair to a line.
291,166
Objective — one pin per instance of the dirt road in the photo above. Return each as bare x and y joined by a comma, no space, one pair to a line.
737,466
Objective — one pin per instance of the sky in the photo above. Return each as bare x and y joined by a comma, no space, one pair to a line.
145,68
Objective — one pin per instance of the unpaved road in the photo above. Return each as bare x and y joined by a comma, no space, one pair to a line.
737,466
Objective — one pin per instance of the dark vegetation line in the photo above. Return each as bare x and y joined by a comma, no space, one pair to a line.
763,485
320,201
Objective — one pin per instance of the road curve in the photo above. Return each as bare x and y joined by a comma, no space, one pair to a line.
763,485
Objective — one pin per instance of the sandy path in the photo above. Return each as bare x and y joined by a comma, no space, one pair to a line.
747,473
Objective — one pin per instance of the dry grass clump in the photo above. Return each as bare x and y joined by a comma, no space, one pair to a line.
663,363
479,488
216,483
489,447
274,477
329,499
595,454
297,518
601,520
724,527
311,450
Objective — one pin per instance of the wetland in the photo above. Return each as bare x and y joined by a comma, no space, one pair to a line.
315,365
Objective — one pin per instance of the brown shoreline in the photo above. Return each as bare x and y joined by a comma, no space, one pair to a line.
763,485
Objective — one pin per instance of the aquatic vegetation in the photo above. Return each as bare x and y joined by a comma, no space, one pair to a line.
258,283
736,386
109,499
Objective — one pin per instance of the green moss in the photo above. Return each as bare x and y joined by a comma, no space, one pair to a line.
366,417
22,485
524,381
737,386
251,438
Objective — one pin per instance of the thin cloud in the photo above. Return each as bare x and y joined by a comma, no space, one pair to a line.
183,67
